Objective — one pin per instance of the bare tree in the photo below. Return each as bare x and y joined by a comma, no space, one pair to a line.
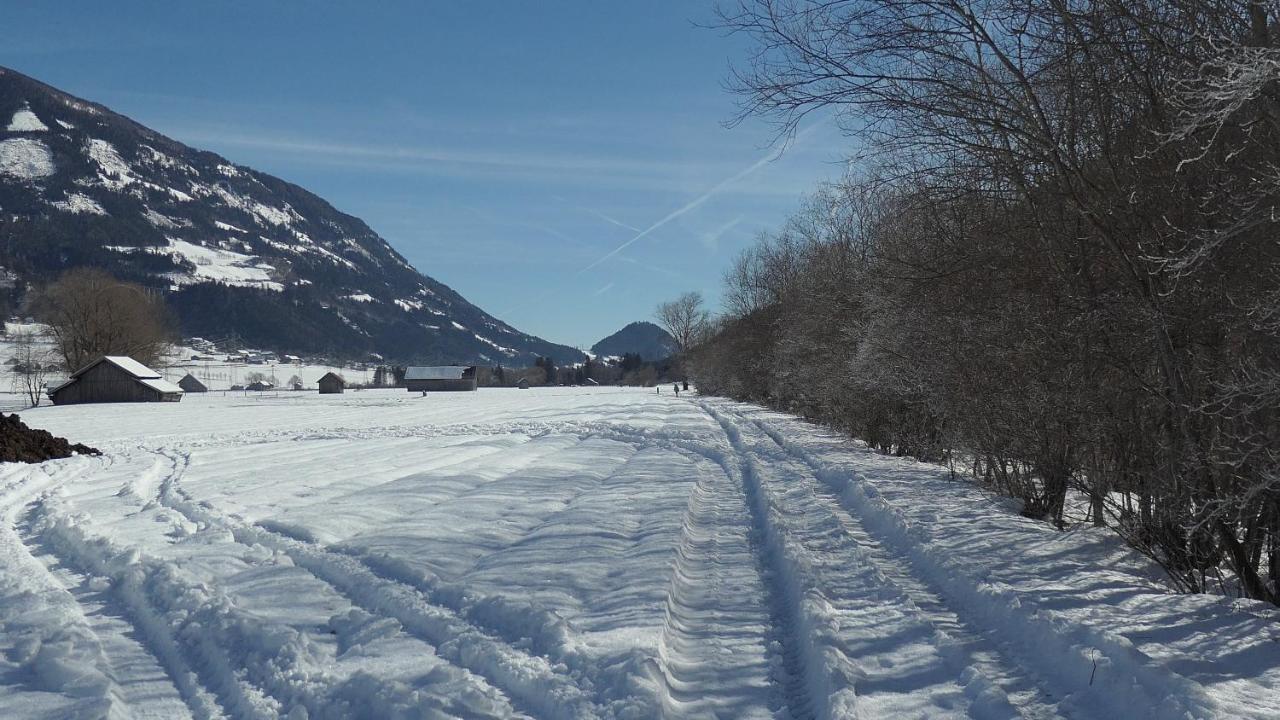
1067,270
685,318
32,366
91,314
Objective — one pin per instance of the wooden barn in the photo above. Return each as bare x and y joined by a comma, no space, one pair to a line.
332,383
259,386
115,378
523,384
442,378
189,383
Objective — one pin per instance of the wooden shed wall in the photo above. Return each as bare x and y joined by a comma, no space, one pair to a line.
466,383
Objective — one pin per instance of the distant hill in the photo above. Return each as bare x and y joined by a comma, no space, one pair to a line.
235,252
642,338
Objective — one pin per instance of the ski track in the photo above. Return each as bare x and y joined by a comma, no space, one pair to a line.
213,649
534,683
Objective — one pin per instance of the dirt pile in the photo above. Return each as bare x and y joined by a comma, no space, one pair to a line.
19,443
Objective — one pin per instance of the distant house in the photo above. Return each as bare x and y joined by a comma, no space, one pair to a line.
332,383
523,384
189,383
115,378
447,377
259,386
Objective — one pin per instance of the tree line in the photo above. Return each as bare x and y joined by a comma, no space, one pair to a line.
1055,268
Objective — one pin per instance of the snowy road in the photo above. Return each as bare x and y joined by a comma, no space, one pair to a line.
568,553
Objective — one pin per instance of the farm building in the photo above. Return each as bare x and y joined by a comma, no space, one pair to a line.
189,383
115,378
332,383
447,377
259,386
523,384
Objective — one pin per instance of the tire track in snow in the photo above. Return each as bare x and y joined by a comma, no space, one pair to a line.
256,668
536,683
59,641
800,680
1053,654
111,616
966,648
714,655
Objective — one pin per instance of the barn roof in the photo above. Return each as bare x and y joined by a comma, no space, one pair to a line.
444,372
191,382
160,385
127,364
333,375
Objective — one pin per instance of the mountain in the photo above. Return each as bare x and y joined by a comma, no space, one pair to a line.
236,252
642,338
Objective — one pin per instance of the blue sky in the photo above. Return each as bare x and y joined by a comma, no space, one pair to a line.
506,149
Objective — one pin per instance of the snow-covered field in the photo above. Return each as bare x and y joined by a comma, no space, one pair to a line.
568,553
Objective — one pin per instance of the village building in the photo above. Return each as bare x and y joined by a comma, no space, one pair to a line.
115,378
259,386
332,383
441,378
189,383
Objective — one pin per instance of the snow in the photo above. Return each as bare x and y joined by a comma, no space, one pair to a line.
25,158
223,266
568,553
131,366
77,203
361,297
26,121
505,350
163,386
443,372
116,173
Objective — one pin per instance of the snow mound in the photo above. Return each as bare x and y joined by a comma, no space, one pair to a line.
25,158
26,121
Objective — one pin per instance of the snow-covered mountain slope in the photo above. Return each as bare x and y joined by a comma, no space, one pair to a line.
237,251
575,553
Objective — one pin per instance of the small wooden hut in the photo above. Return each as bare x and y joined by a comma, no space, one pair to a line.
190,383
115,378
441,378
332,383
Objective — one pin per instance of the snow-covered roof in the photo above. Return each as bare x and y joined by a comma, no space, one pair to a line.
160,385
125,363
444,372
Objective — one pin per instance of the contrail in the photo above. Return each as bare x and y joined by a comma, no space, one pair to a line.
701,199
608,219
